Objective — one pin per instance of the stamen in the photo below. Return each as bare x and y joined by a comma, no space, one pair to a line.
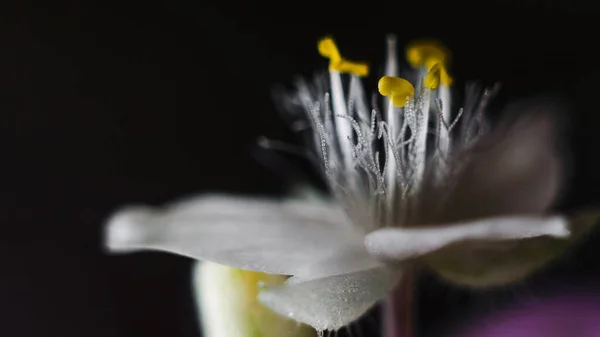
427,54
348,67
362,151
456,119
397,89
391,153
338,65
391,65
442,141
328,49
479,122
421,52
314,114
432,81
419,147
342,127
276,145
394,120
350,137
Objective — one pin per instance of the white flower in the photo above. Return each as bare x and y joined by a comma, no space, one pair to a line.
457,198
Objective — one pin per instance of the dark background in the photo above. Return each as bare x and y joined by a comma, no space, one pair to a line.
103,104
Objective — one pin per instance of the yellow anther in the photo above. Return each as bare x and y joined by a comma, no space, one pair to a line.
427,53
432,81
421,52
398,90
328,49
348,67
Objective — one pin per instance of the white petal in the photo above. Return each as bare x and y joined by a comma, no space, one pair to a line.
332,302
405,243
294,238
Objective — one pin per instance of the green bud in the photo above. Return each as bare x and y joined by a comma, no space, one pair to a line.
228,304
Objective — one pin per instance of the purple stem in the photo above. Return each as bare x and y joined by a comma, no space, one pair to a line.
399,309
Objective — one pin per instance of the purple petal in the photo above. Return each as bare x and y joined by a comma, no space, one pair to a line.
567,316
514,170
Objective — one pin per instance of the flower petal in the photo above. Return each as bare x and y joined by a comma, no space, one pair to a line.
514,170
406,243
294,237
332,302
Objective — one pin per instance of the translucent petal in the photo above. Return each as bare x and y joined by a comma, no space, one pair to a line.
294,238
332,302
514,170
406,243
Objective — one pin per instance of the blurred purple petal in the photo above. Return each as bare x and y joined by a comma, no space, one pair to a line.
577,316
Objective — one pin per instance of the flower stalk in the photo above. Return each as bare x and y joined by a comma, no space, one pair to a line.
399,308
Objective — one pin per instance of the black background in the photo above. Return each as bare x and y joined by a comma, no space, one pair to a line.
103,104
